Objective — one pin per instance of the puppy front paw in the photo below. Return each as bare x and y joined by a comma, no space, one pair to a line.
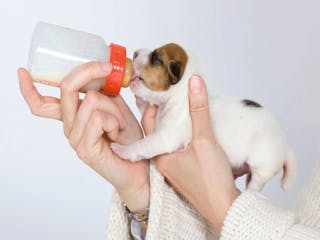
125,152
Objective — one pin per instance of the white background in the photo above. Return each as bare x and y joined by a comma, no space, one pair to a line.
265,50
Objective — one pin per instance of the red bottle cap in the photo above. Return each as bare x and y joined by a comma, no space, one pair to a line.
118,60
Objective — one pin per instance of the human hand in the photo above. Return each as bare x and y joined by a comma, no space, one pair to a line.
91,124
201,173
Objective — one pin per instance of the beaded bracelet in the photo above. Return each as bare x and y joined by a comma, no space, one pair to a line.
139,216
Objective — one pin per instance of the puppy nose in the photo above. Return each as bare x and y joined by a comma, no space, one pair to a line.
135,54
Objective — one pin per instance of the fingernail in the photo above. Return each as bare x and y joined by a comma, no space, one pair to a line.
106,66
195,84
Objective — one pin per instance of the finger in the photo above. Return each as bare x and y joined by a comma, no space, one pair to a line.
148,120
92,102
42,106
199,108
123,107
71,85
107,123
92,143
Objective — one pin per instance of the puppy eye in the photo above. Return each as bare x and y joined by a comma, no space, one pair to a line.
156,59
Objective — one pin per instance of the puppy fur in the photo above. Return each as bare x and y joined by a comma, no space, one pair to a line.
248,134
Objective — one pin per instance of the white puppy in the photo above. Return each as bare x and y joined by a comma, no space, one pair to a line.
247,133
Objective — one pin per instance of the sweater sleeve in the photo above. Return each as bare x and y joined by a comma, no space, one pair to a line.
309,204
170,217
253,216
118,224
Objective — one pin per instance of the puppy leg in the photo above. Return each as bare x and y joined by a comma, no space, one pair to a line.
258,179
152,145
265,160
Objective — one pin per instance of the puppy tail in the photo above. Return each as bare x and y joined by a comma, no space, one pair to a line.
289,171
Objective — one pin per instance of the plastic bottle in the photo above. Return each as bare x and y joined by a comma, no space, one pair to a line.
56,50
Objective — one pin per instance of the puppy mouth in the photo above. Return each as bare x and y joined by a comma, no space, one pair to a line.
137,78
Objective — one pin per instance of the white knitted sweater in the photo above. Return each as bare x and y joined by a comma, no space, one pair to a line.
251,216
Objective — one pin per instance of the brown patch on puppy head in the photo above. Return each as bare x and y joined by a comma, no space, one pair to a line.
165,67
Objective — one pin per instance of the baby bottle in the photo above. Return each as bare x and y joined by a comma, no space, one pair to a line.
56,50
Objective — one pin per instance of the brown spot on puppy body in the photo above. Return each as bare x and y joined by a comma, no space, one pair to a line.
165,67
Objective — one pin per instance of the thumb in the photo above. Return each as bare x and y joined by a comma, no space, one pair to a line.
148,120
199,108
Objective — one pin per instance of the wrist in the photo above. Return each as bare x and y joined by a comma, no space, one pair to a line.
137,199
220,207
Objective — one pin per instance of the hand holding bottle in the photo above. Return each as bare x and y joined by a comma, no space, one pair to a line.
91,124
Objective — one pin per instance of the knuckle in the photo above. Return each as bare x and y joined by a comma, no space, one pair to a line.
96,118
73,142
66,131
92,98
81,152
199,108
34,112
90,67
82,155
65,85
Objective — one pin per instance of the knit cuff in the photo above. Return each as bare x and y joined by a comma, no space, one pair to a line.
309,204
252,216
172,218
299,231
118,225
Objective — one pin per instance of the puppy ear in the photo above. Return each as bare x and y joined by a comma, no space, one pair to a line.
174,69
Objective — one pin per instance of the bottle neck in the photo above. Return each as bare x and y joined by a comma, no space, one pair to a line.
114,79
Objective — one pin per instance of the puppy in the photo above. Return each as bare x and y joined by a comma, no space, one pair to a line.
247,133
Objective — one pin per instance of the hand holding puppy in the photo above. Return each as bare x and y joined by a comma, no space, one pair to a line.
202,172
90,125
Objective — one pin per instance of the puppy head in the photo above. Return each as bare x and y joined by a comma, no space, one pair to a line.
160,68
